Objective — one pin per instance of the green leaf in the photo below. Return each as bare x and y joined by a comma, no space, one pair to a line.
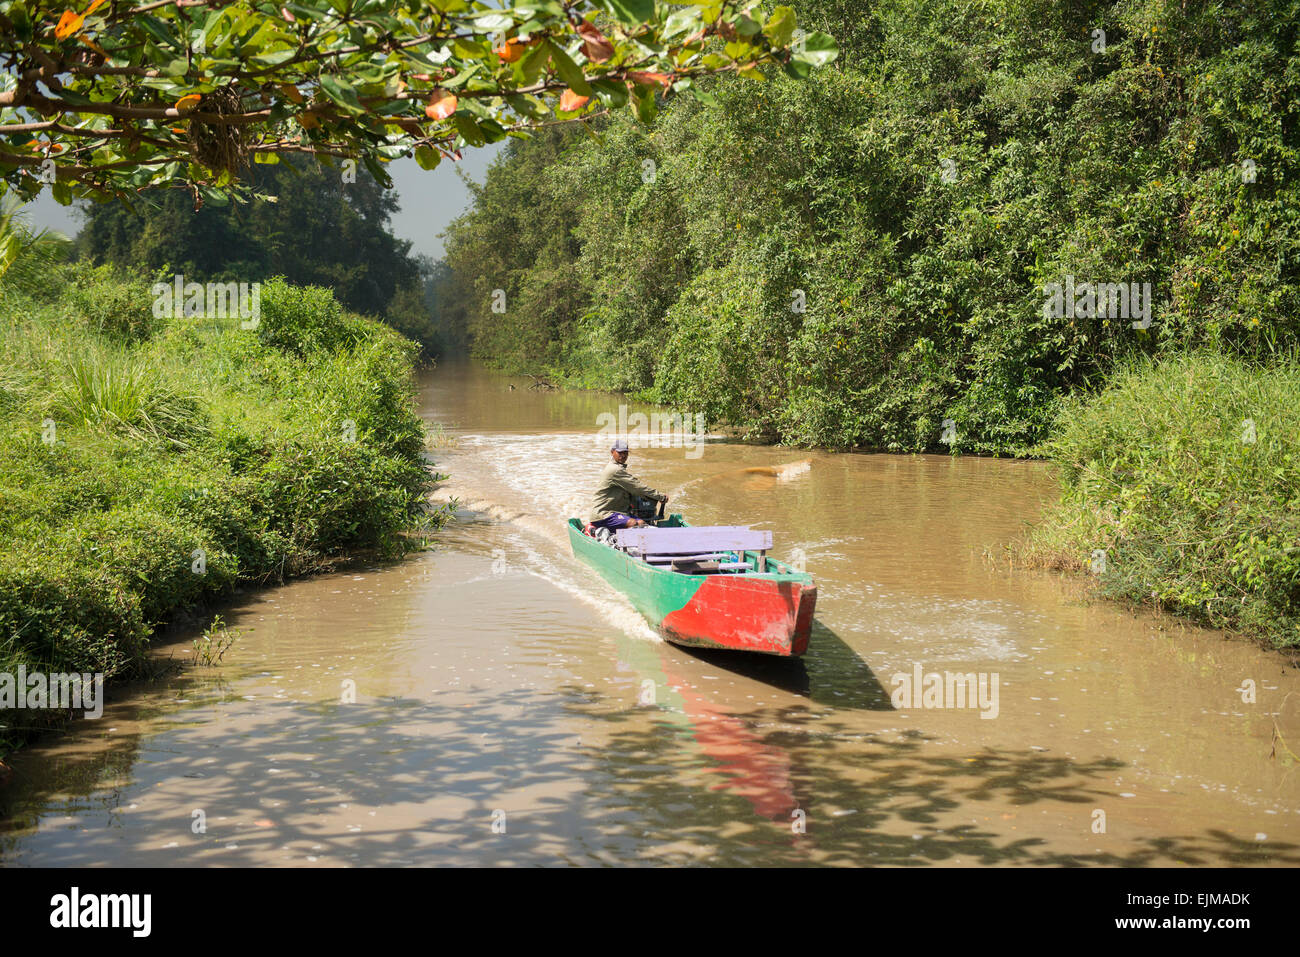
569,71
797,69
704,96
341,92
378,172
492,130
155,28
539,8
534,61
527,106
471,50
459,80
304,12
780,26
274,58
468,129
632,12
214,197
680,22
21,21
427,157
494,21
643,103
611,92
817,49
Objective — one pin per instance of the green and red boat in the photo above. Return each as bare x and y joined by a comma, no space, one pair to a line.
705,586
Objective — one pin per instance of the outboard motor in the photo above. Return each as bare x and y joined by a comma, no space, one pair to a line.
647,509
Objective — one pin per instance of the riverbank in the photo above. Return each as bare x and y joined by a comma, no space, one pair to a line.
153,465
880,256
1181,489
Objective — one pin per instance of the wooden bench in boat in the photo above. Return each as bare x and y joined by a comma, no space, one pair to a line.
708,568
702,547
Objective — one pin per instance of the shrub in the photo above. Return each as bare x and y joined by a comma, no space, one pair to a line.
1186,473
108,302
303,319
285,451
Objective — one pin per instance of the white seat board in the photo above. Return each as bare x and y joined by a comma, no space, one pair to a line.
694,540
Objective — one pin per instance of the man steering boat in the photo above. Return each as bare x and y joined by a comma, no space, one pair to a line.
617,491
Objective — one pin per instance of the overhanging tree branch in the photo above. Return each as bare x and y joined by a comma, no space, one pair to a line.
189,90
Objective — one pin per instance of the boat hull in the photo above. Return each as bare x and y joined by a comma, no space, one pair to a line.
770,613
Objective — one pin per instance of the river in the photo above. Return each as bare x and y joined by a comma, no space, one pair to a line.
512,709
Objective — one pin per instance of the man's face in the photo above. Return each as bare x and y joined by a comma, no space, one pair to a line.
619,457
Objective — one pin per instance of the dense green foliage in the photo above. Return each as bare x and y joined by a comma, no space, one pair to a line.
321,230
921,192
127,97
1186,476
131,444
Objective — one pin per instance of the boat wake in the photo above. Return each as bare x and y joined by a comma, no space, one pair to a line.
520,489
782,473
752,475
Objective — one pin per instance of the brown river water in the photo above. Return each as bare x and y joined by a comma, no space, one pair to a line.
512,709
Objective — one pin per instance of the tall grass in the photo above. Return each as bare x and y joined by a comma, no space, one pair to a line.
1183,478
108,389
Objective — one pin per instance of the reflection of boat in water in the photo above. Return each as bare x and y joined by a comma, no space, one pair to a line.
751,768
705,587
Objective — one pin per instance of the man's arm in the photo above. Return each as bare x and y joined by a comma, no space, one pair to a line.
630,483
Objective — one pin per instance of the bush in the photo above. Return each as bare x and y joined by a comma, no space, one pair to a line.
285,450
303,319
60,615
108,302
1186,474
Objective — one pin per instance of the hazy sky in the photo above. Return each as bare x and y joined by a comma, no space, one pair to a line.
430,200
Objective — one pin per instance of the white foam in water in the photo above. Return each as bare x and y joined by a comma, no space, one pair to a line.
785,473
536,483
593,591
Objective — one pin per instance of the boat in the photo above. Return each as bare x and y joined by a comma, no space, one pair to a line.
705,586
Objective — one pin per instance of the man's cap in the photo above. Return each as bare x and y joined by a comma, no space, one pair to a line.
620,445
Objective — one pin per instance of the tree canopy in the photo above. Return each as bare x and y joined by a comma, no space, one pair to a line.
855,259
121,95
320,231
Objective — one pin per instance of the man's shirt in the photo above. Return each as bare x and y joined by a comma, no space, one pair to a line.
615,491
